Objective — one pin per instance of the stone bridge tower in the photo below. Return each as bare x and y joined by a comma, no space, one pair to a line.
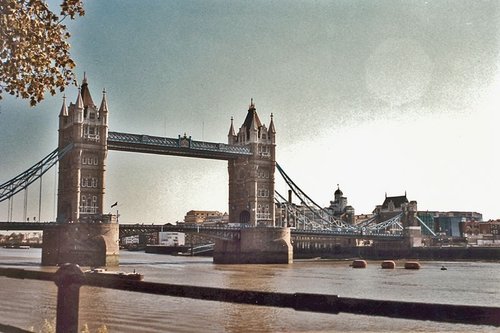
251,199
84,235
251,179
81,171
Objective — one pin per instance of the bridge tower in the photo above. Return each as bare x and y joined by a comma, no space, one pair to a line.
251,179
84,235
251,199
81,172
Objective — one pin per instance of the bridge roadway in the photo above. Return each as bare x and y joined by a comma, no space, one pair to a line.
219,232
181,146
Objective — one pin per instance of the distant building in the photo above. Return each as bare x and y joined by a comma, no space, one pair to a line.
393,206
339,207
171,238
302,216
339,203
481,233
205,217
448,223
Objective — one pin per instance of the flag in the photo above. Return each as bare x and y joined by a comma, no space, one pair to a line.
116,203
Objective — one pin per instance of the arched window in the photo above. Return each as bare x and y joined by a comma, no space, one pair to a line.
245,216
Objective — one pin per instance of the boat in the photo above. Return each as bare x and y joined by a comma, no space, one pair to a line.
443,268
388,264
412,265
112,274
359,264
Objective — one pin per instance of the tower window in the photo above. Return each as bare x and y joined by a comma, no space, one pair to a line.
264,151
263,193
91,133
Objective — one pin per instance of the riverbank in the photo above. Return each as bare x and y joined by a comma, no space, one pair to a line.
424,253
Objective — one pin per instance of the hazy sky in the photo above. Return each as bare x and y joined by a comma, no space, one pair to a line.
377,96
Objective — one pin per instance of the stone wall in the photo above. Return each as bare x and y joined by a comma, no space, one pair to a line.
84,244
261,245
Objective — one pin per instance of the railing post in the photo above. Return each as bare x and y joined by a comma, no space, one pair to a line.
68,278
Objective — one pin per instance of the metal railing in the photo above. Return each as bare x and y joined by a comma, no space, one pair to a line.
69,278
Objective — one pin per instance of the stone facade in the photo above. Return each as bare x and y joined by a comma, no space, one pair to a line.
251,179
396,205
86,244
83,235
259,245
81,171
205,217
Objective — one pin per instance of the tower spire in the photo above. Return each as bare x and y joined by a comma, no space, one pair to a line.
64,108
104,102
79,99
272,129
87,98
231,129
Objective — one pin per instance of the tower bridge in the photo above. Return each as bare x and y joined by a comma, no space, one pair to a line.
83,234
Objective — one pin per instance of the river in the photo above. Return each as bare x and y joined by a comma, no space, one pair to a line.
27,303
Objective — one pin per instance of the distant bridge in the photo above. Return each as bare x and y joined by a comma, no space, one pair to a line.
219,232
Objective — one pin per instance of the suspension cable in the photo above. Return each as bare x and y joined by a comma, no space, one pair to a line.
20,182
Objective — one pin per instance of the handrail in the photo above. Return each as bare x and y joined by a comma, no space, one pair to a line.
69,278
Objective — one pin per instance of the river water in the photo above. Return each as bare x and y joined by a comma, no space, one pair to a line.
27,303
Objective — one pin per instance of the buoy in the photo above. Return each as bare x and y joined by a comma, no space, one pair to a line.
359,264
412,265
388,264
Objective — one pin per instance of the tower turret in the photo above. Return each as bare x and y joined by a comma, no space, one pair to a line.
78,113
103,109
272,130
231,136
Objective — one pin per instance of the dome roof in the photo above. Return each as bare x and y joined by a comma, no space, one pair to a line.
338,191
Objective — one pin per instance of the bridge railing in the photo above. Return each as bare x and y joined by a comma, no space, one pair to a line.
69,278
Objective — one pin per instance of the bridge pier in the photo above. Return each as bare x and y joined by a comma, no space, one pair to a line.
85,244
260,245
413,234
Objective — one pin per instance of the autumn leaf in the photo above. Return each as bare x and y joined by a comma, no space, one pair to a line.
35,52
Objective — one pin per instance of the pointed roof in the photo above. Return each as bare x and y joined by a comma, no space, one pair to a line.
64,108
397,201
87,99
231,129
79,100
104,102
272,130
252,120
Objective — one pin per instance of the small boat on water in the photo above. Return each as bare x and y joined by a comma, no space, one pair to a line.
112,274
388,264
412,265
443,268
359,264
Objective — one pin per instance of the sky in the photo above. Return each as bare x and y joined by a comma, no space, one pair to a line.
380,97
